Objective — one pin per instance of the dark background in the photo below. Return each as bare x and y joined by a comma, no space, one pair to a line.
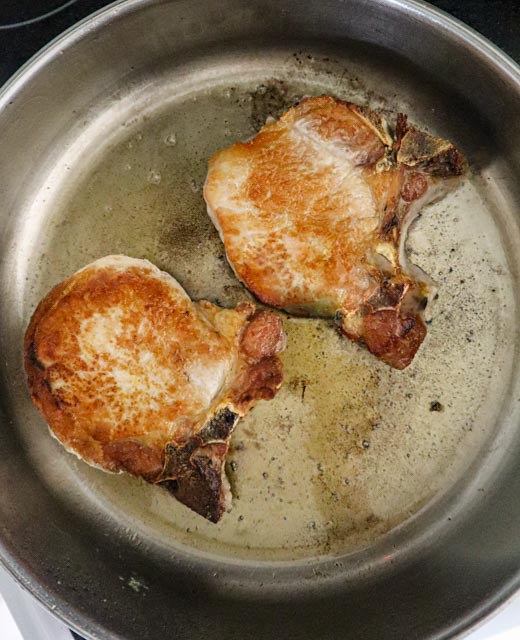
27,25
498,20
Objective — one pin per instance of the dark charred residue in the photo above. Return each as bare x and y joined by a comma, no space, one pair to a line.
270,99
47,385
171,485
192,473
448,163
299,383
400,130
433,155
407,325
338,318
387,295
389,224
208,492
184,233
436,406
423,303
196,481
219,427
33,358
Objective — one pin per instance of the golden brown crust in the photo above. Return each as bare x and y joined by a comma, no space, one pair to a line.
132,457
311,210
355,130
71,375
121,363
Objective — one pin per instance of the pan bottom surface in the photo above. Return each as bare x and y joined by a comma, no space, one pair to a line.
350,448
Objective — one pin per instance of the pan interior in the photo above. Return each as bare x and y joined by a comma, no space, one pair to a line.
350,448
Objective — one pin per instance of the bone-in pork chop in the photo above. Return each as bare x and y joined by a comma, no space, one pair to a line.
314,210
131,375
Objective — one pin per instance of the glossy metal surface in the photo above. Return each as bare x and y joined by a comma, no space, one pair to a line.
449,566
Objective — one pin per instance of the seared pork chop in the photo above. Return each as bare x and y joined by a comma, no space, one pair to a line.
131,375
314,211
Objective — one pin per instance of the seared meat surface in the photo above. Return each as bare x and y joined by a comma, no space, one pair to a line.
314,211
131,375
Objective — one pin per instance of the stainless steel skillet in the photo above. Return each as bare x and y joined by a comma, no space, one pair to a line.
105,138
